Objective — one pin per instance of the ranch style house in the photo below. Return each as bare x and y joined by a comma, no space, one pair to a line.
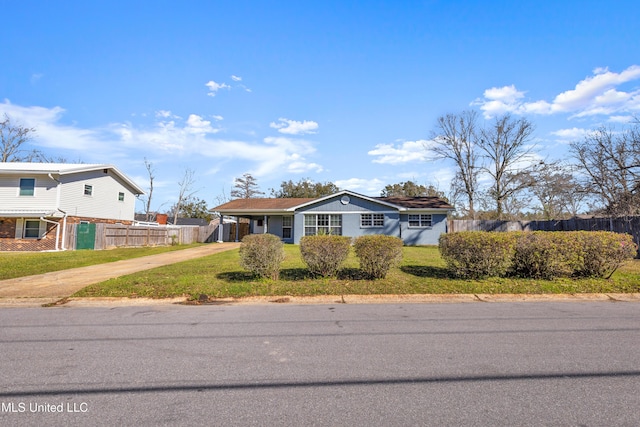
416,220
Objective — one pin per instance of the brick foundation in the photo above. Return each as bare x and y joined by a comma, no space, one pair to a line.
9,243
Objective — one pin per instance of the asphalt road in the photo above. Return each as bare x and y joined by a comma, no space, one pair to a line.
484,364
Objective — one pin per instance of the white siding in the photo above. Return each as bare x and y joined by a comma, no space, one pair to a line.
103,203
44,196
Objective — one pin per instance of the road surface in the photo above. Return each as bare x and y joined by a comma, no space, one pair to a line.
484,364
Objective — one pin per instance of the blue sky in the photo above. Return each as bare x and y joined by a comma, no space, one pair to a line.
340,91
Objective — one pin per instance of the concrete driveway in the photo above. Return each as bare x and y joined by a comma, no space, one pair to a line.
60,284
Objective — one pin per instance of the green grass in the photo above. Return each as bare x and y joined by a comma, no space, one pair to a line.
19,264
421,272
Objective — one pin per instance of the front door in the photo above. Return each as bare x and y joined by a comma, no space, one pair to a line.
258,226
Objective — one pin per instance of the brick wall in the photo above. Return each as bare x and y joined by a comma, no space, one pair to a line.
8,242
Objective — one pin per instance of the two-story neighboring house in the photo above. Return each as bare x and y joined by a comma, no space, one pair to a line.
37,200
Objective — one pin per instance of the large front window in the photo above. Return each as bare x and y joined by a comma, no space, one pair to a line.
322,224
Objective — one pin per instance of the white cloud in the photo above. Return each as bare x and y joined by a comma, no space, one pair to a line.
293,127
408,151
197,125
372,187
571,134
217,117
236,78
166,114
621,119
215,87
595,95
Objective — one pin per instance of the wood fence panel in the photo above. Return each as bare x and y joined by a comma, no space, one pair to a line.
630,225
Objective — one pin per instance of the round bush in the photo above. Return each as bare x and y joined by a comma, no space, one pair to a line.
378,254
324,254
262,254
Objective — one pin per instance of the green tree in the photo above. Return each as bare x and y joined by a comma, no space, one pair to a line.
410,189
192,207
305,188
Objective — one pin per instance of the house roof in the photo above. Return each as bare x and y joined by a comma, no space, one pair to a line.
26,213
417,202
262,204
64,169
273,205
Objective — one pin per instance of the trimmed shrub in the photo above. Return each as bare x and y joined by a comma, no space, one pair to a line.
377,254
476,254
538,255
603,252
324,254
545,255
262,254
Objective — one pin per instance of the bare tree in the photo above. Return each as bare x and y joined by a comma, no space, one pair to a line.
556,191
245,187
505,147
185,192
455,139
147,199
13,137
610,162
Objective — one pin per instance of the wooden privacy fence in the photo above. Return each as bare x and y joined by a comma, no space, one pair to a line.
123,236
629,225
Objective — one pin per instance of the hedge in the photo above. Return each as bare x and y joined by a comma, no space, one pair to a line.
538,254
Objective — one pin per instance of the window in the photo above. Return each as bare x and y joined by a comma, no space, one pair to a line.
371,220
322,224
121,197
88,190
27,186
422,220
287,222
31,229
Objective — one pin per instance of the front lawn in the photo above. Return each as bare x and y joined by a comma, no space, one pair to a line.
20,264
421,272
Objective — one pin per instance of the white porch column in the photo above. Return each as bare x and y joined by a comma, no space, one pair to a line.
264,222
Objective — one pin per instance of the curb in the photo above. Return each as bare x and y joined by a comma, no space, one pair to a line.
321,299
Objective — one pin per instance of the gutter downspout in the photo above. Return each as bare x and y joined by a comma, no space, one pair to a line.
64,217
57,224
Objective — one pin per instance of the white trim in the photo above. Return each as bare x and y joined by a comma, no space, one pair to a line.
347,212
348,193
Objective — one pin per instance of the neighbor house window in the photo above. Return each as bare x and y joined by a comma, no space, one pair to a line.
88,190
371,220
287,222
322,224
121,197
422,220
31,229
27,186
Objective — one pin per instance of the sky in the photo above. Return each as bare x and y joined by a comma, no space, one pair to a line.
335,91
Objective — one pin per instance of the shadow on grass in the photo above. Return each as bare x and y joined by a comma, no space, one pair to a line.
292,274
426,271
